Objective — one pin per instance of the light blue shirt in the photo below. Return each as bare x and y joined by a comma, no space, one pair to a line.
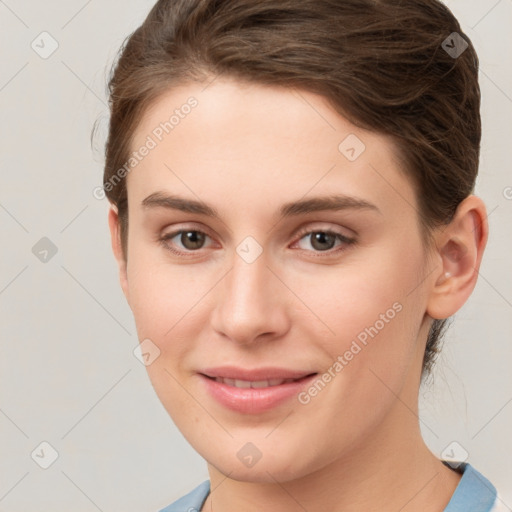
473,494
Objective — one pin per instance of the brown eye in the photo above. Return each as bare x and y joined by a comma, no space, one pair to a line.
324,240
186,240
192,239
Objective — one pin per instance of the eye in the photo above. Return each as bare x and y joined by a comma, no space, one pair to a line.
324,240
190,239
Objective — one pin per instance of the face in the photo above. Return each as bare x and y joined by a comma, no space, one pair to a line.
293,304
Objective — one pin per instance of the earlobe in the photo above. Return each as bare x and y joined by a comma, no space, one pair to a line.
460,246
115,237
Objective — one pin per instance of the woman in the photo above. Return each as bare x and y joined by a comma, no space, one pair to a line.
292,214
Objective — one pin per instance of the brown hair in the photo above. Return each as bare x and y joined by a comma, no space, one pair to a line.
382,64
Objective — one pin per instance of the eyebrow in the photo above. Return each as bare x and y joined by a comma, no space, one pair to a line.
304,206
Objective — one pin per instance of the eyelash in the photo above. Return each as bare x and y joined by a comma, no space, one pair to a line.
302,233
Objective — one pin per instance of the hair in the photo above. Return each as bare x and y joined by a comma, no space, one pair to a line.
379,63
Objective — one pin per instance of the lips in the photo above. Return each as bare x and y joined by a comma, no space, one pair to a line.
254,374
253,391
239,383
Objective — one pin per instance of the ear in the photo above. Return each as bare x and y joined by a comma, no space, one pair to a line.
115,236
459,249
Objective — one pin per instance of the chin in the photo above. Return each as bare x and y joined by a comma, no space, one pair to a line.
273,465
261,474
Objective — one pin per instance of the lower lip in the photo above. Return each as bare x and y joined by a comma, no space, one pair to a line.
253,400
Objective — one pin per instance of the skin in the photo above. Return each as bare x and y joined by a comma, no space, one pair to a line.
247,149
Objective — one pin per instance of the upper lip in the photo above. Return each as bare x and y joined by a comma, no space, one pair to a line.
254,374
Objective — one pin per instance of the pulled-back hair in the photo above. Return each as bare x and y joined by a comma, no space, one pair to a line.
382,64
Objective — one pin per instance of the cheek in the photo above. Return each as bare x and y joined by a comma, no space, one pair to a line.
368,293
374,312
168,303
162,299
371,353
160,293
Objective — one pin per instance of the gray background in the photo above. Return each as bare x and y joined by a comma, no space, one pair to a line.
68,373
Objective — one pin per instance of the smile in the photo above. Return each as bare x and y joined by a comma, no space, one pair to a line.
252,384
253,391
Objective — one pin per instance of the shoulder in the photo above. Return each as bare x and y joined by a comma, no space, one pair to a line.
191,502
474,493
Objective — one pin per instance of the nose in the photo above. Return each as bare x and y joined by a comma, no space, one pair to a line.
251,303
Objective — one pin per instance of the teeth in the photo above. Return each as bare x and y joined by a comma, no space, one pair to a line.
242,384
261,384
252,384
276,382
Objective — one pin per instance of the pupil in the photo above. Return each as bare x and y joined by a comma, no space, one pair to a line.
192,239
322,237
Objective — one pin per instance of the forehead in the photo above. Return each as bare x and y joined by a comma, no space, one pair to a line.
259,145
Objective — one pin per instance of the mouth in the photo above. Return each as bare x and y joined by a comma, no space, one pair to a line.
255,384
253,391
